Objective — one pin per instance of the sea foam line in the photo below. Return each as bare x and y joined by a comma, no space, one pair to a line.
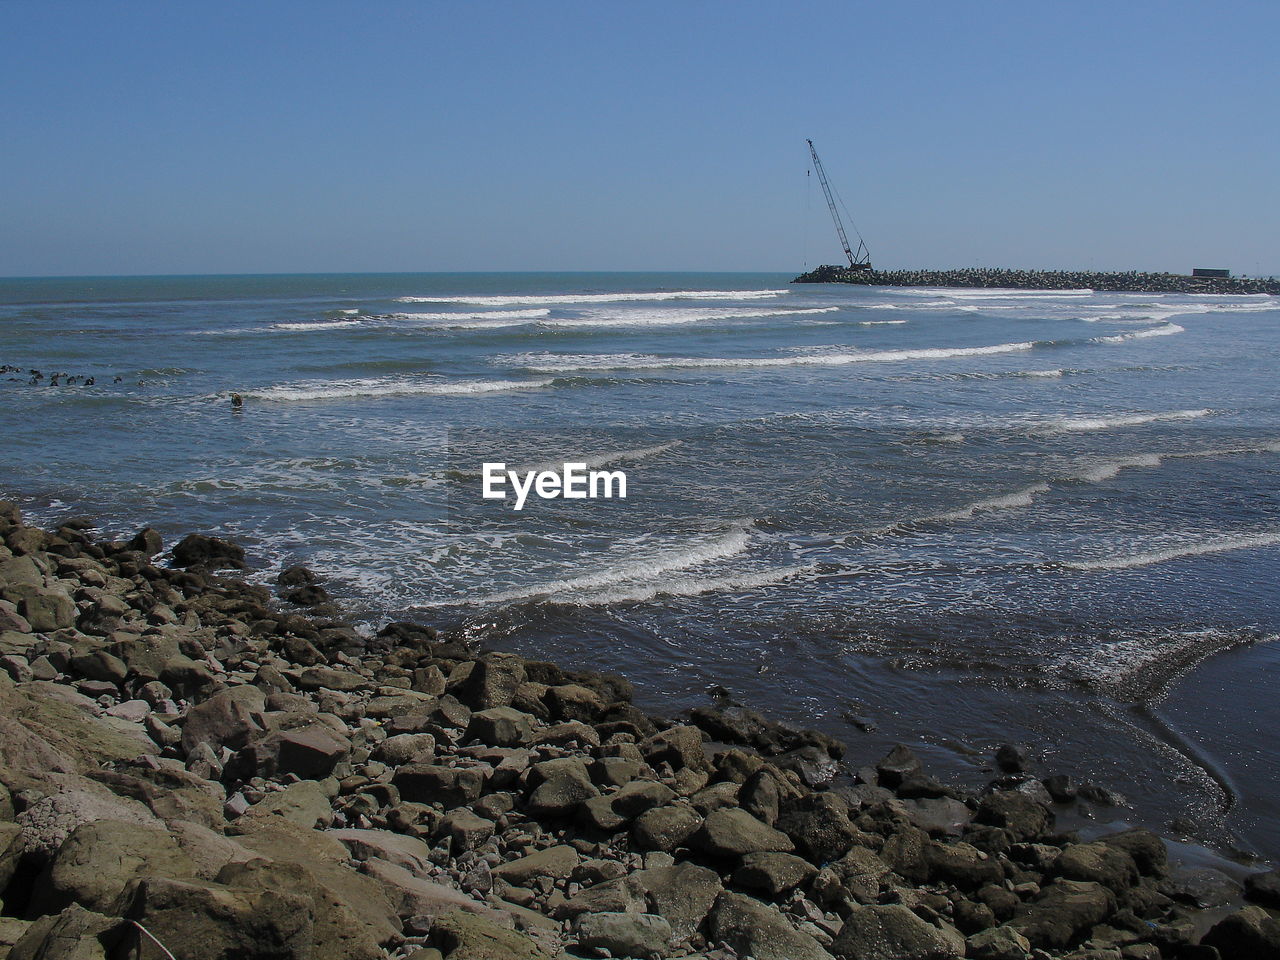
1164,330
550,363
678,317
511,299
1215,545
343,389
1085,424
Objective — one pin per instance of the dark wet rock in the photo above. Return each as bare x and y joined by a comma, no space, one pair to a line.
937,815
1147,850
757,930
819,826
904,851
500,727
1013,758
761,796
1100,863
559,786
1263,888
773,873
734,833
897,765
1060,787
813,765
211,552
680,746
683,894
624,934
1022,817
1063,911
492,682
962,864
1251,932
997,943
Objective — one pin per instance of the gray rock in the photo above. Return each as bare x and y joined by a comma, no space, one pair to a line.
819,825
754,929
898,764
774,873
624,934
465,829
621,895
492,682
1063,910
997,943
555,862
683,894
1263,888
229,718
1251,932
734,832
1098,863
1022,817
429,783
893,932
500,727
406,748
665,828
73,934
962,864
641,795
559,786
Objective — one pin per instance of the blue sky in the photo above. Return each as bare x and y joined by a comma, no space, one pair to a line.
166,137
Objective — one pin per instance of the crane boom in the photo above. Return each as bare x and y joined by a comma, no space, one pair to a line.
861,260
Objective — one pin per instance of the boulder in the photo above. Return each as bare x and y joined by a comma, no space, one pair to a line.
73,934
624,934
211,552
570,701
1063,911
819,825
679,746
492,682
640,795
665,828
1023,818
757,930
1098,863
774,873
559,786
50,820
962,864
683,894
893,932
304,803
465,829
98,860
47,610
414,896
621,895
555,862
732,832
1251,932
465,936
1263,888
309,752
1147,850
898,765
997,943
406,748
228,718
398,848
500,727
429,783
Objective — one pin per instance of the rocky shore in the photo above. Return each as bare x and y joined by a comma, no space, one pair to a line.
192,767
1002,278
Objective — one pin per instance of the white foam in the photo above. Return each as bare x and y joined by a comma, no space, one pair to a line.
313,325
595,461
879,323
1105,470
668,318
478,317
1051,374
512,299
1164,330
646,569
553,363
1084,424
688,587
388,387
1009,501
1200,548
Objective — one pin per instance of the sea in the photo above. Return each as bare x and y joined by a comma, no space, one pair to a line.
951,518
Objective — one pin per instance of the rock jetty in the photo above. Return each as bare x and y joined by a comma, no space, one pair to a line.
193,767
1129,281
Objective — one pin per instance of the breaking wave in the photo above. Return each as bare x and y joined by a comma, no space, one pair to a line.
388,387
1082,424
1199,548
512,299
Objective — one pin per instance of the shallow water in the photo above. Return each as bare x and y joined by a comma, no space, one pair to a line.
968,516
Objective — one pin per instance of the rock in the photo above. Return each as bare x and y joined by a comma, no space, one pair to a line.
1063,910
753,929
1147,850
309,752
211,552
229,718
50,820
1251,932
897,765
624,934
304,803
500,727
733,832
679,746
938,815
428,783
962,864
327,678
819,825
555,862
1020,816
860,872
1263,888
147,542
998,943
466,830
406,748
597,813
573,702
813,765
761,796
893,932
207,921
48,609
1061,788
98,860
665,828
774,873
464,936
559,786
492,682
640,795
621,895
683,894
73,934
397,848
1098,863
415,896
1012,758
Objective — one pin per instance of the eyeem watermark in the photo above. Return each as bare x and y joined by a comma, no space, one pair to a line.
575,482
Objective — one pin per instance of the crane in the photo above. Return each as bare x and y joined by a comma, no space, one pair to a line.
862,259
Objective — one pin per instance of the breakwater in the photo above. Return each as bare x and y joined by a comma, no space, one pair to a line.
1127,281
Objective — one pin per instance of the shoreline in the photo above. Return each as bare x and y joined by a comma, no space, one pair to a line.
186,752
1001,278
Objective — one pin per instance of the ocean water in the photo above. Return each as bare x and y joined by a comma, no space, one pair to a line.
952,518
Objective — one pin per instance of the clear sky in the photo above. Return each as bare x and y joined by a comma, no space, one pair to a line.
226,137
